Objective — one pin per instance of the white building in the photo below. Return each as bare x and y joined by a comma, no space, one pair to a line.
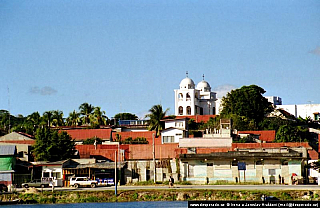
191,100
175,129
274,100
304,111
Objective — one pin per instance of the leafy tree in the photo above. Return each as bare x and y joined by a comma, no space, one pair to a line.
34,118
247,139
52,145
47,118
57,118
73,119
290,133
247,105
126,116
138,140
86,111
92,140
99,116
156,114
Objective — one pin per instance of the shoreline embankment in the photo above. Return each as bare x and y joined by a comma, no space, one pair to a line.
34,196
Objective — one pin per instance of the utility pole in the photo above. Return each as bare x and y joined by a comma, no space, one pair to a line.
115,173
119,158
154,160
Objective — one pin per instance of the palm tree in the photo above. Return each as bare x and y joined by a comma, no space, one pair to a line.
156,115
86,111
99,116
34,118
73,119
57,118
48,117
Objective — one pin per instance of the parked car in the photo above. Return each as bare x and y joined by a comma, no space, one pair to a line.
105,181
36,183
3,188
82,181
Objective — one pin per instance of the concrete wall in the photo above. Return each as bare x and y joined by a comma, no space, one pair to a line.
205,142
202,172
304,111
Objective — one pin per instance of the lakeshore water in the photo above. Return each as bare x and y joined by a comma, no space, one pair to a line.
148,204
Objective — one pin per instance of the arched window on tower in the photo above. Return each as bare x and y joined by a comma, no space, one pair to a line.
188,110
188,96
180,110
180,96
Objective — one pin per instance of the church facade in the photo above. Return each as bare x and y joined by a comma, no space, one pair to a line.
194,100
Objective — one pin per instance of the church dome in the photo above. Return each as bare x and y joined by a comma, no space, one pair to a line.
203,86
187,83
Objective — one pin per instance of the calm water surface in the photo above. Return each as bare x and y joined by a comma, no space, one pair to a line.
167,204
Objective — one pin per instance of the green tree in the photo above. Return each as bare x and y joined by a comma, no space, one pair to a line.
52,145
86,111
247,105
92,141
290,133
58,119
126,116
47,118
34,118
73,119
99,116
156,114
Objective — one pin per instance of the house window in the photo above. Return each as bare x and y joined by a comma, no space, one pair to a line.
179,124
46,174
180,110
190,170
168,139
56,174
272,171
188,110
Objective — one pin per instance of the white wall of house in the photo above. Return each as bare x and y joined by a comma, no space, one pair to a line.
171,135
205,142
303,111
53,172
200,172
177,123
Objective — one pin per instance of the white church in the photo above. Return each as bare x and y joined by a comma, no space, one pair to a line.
193,100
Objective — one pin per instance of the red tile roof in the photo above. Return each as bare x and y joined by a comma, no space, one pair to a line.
83,134
313,154
269,145
27,135
31,142
135,134
267,135
198,118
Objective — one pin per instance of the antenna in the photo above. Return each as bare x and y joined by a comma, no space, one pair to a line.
9,106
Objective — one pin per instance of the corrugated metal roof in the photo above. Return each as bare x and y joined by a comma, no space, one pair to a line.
7,149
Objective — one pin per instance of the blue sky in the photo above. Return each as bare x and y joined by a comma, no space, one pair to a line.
126,56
